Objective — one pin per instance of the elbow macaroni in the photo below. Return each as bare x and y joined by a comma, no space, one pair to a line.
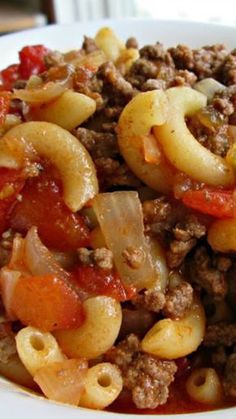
63,150
109,43
37,349
172,339
98,332
204,386
222,235
137,118
68,111
103,385
182,149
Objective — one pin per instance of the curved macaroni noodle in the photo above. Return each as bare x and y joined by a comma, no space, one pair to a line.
180,146
204,386
37,349
68,111
63,150
103,385
109,43
98,332
222,235
136,121
172,339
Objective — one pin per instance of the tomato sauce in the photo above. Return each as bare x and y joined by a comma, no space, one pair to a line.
178,402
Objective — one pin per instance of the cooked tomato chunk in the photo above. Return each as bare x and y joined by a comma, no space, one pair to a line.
47,302
42,206
97,281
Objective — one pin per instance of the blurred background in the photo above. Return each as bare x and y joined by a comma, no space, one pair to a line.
22,14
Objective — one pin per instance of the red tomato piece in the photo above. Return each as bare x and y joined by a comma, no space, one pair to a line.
214,202
8,76
11,183
47,302
97,281
32,60
4,105
42,206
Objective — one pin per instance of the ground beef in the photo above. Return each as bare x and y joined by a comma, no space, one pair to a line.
113,173
7,343
225,103
154,63
99,144
101,257
186,234
208,273
204,62
190,227
178,300
124,352
173,304
221,334
89,45
118,90
133,257
154,300
183,78
153,84
227,71
155,211
210,127
155,52
177,252
149,378
229,381
131,43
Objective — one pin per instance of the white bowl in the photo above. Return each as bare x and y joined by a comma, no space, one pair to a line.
15,403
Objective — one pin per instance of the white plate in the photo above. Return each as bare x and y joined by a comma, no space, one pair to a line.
14,402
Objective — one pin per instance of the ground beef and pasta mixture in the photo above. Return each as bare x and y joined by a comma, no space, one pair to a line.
117,223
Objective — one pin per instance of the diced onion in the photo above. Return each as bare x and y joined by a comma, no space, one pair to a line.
93,59
209,87
121,220
39,95
39,259
8,281
63,381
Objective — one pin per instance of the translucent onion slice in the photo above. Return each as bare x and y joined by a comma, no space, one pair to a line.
209,87
17,255
39,95
38,259
63,381
121,220
8,281
93,60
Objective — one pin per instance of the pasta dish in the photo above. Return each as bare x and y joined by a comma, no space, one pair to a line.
118,225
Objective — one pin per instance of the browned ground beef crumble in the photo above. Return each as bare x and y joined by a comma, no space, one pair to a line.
181,232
